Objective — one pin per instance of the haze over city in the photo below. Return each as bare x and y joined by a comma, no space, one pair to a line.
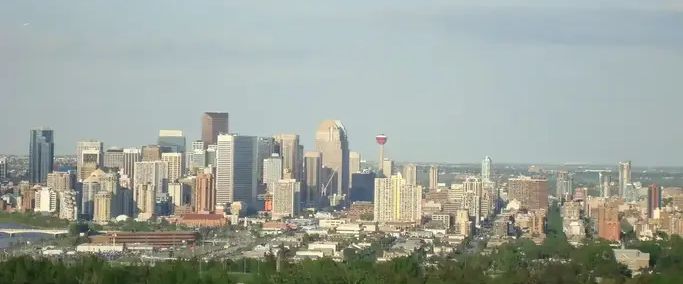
447,81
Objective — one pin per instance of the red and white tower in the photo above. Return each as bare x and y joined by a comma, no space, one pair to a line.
381,140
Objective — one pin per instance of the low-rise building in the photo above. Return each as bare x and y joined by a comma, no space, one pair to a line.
635,260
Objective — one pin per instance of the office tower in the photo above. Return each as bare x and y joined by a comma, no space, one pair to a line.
211,151
60,181
564,185
272,171
90,156
154,173
3,168
178,193
127,206
433,178
462,223
331,140
145,197
354,162
130,157
381,141
41,154
609,227
235,170
89,187
68,207
313,165
175,164
363,187
266,148
530,192
286,198
111,183
198,159
213,124
103,207
289,152
113,158
387,167
396,201
172,141
28,197
624,177
205,194
198,145
654,200
410,174
46,200
151,153
486,169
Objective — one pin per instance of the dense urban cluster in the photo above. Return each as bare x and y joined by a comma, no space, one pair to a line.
242,208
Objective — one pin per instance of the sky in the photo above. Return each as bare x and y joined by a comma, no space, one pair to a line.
524,81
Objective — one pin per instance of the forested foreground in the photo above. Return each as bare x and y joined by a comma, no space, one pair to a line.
519,262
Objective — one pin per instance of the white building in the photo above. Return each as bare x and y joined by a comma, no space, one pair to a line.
235,170
46,200
396,201
272,171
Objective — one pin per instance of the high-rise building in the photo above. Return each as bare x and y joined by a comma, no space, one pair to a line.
60,181
363,186
331,140
530,192
266,148
624,177
89,187
28,197
130,157
381,141
564,184
235,170
286,198
90,156
433,177
313,165
46,200
354,162
151,153
213,124
410,174
154,173
175,165
144,197
68,207
654,200
172,141
103,207
178,193
272,171
113,158
396,201
205,194
3,168
387,167
111,183
605,180
41,154
609,227
211,151
463,225
486,169
289,152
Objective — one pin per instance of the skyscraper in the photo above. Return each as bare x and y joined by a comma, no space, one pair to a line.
410,174
331,140
90,155
289,151
130,157
354,162
530,192
313,165
3,168
235,170
154,173
213,124
144,197
624,177
286,197
41,154
89,187
60,181
113,158
654,199
387,167
486,169
272,171
266,148
564,184
396,201
609,227
151,153
433,178
172,141
175,165
205,194
103,207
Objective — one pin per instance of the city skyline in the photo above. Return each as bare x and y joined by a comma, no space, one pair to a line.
559,75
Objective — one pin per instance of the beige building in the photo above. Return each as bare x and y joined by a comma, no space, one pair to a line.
387,168
532,193
331,140
396,201
145,201
103,207
463,225
175,166
291,155
59,181
354,162
286,199
635,260
89,156
433,177
410,174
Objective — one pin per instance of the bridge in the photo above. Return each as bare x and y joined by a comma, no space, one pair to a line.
12,232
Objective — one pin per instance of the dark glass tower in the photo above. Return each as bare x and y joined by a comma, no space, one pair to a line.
41,155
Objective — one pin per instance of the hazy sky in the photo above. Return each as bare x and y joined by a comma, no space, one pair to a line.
451,81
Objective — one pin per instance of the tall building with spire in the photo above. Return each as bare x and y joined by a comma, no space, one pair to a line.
41,154
213,124
331,140
486,169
